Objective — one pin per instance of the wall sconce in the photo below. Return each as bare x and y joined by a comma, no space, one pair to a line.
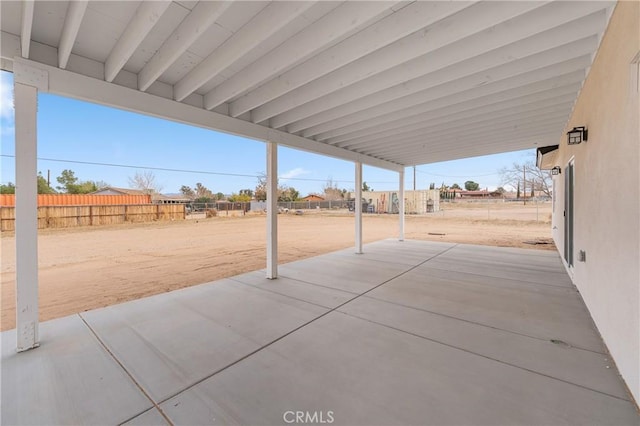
577,135
556,170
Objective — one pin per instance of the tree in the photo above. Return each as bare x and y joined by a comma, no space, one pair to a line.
67,181
9,188
145,182
539,180
70,184
518,192
43,185
239,198
471,185
455,186
365,187
219,196
331,192
203,192
288,194
187,192
248,192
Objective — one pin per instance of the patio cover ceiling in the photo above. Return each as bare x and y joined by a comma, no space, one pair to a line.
390,84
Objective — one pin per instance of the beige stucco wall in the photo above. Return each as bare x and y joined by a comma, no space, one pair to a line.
607,195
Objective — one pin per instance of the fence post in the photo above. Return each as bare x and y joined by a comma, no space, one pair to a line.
158,212
124,219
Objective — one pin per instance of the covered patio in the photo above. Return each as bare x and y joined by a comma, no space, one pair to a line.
409,332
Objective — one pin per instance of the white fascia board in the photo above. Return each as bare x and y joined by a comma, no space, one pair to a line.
66,83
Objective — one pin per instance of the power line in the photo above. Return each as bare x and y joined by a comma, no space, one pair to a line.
451,176
165,169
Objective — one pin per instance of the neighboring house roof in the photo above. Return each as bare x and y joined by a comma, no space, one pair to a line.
312,197
112,190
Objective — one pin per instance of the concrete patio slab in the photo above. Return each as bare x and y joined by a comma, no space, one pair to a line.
69,379
151,417
355,274
549,359
312,293
543,311
357,340
363,373
170,341
514,264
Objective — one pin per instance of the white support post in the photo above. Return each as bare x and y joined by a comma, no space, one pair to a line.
401,205
272,210
26,223
358,207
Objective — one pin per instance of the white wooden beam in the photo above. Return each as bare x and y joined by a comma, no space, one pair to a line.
519,108
476,18
398,25
470,140
486,51
146,17
483,133
443,112
26,102
335,25
203,15
72,22
27,24
272,210
401,205
506,143
417,102
270,20
78,86
357,207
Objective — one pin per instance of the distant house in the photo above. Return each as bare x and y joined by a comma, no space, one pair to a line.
155,197
313,197
112,190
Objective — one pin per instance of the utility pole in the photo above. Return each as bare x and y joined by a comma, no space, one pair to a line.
524,184
48,177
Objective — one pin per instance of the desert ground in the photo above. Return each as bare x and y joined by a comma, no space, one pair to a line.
91,267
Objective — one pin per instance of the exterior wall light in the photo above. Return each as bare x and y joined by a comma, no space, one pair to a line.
576,135
556,170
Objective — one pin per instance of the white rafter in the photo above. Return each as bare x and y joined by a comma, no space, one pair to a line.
146,17
417,44
271,19
478,110
72,21
477,125
335,25
25,29
413,103
203,15
474,54
396,26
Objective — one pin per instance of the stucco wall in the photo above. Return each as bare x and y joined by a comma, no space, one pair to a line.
607,195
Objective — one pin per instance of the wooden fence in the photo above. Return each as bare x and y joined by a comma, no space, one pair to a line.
79,199
71,216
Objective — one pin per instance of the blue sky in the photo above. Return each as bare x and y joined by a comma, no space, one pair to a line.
71,130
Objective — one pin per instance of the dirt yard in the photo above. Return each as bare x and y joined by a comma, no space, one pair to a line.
88,268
